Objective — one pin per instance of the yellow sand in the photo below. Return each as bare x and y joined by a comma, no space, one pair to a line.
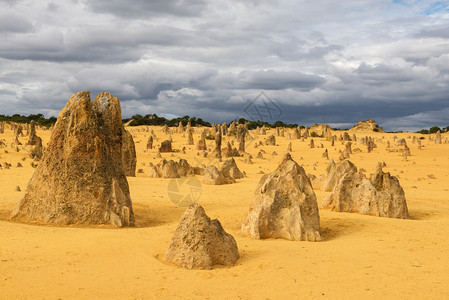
360,256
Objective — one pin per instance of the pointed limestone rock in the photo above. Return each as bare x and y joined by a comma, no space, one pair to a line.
201,243
284,206
381,196
81,178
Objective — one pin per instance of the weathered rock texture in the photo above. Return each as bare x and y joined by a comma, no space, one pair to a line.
33,139
129,156
284,206
166,146
369,125
81,178
334,172
189,136
320,129
230,169
381,196
150,142
201,243
172,169
214,176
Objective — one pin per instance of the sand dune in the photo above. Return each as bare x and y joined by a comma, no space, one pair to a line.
359,255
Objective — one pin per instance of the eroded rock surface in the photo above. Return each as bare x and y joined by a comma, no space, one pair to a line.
284,206
81,178
381,195
201,243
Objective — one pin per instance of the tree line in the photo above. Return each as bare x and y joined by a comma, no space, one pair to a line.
155,120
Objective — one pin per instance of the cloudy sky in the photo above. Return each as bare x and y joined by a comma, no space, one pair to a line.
306,62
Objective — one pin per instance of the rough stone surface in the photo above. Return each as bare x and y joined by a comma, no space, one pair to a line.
150,142
381,196
166,146
129,154
334,173
271,140
33,139
230,169
189,136
284,206
201,243
214,176
369,125
202,142
172,169
81,178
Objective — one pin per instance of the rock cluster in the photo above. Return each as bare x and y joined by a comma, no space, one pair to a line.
227,174
369,125
381,195
172,169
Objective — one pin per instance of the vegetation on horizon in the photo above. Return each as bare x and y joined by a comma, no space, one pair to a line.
155,120
433,129
39,119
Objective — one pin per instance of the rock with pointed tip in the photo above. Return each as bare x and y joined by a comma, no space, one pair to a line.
81,178
201,243
381,196
284,206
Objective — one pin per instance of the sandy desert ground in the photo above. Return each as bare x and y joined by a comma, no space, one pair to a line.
360,256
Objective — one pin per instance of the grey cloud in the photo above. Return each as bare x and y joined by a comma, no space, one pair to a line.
277,80
146,9
12,23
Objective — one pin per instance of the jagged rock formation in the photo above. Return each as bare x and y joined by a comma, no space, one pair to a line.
166,146
271,140
218,144
369,125
325,154
284,206
230,151
241,133
33,139
81,178
202,142
230,169
172,169
214,176
201,243
401,142
312,144
381,196
189,135
227,174
334,173
150,142
321,129
129,154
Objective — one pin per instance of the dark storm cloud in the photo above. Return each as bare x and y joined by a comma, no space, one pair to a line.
321,61
278,80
